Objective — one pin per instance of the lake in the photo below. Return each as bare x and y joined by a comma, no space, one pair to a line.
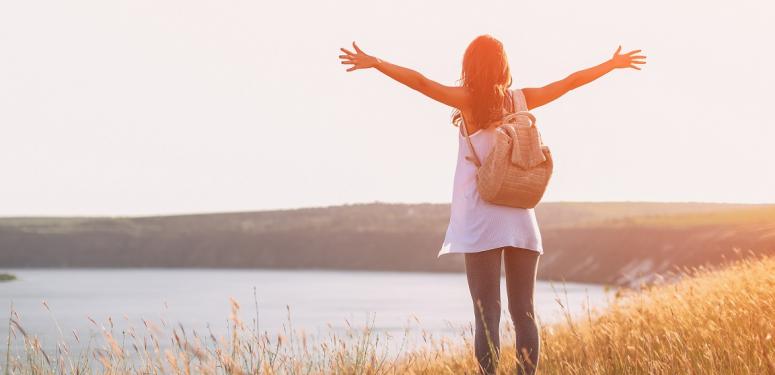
318,301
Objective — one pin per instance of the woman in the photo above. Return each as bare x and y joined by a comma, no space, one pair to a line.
485,232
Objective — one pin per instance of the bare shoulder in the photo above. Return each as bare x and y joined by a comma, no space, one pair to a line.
453,96
463,98
532,96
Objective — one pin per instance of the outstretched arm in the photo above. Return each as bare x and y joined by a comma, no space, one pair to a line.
457,97
536,97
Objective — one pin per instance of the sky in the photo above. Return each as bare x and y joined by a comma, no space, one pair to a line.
166,107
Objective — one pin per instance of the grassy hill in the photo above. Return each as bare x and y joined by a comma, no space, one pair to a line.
617,243
713,321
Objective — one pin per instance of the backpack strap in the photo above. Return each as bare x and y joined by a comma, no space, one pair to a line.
475,158
517,103
520,104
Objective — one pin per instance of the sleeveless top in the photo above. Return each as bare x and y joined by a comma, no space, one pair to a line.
475,225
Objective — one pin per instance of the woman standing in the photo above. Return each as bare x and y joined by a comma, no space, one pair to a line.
485,232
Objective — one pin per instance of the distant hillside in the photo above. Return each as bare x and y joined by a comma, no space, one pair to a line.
629,250
592,242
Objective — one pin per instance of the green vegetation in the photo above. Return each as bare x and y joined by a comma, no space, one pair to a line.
7,277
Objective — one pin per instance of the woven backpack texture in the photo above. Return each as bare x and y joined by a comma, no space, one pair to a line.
517,170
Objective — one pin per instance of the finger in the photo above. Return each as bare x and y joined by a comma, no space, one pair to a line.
637,62
348,62
351,69
347,51
638,57
631,52
345,57
356,48
634,67
617,50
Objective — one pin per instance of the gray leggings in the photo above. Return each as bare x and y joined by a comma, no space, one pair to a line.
483,270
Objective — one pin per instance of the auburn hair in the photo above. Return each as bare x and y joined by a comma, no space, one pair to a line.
487,76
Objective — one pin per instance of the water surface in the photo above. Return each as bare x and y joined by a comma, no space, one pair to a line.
319,302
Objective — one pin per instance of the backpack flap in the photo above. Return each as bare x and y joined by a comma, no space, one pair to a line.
526,150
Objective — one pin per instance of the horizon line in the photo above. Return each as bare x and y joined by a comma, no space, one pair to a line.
248,210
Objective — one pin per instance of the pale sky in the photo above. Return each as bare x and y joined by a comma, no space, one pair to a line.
162,107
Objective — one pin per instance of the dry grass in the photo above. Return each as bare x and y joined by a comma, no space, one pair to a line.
712,322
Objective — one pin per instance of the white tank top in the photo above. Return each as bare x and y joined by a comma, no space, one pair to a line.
475,225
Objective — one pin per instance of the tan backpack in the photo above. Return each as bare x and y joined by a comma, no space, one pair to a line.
519,166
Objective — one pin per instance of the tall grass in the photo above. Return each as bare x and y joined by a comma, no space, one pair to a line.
712,321
717,321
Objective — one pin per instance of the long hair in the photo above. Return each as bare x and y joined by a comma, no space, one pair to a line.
487,75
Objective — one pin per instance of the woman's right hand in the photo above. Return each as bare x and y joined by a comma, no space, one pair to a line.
627,60
358,59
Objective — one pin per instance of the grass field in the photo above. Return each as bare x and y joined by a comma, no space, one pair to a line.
711,322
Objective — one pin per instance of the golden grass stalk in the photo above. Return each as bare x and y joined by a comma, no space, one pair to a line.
711,321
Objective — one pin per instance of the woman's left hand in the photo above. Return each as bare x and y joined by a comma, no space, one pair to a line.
358,60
